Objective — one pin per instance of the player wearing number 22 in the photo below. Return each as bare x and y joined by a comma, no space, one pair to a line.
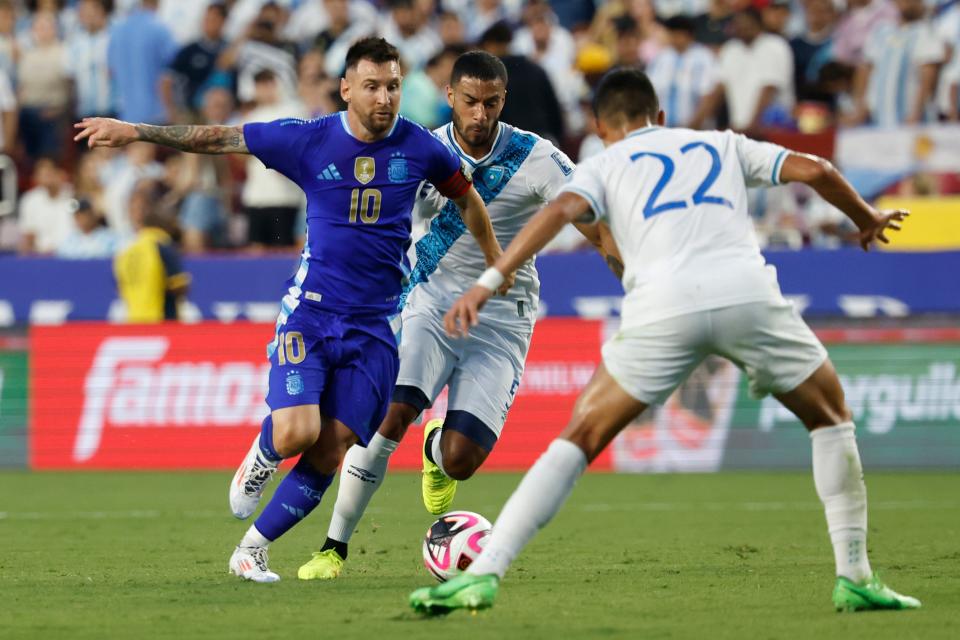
696,284
334,357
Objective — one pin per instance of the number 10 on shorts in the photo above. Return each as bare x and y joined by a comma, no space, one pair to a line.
291,348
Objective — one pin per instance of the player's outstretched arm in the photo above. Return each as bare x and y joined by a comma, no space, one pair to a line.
534,236
109,132
602,240
477,218
834,188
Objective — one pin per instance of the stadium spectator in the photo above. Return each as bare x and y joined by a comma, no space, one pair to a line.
775,15
120,176
313,17
652,34
480,15
193,69
451,30
812,49
684,75
149,272
533,104
141,48
406,27
9,118
262,49
43,89
184,18
424,93
90,237
270,201
86,60
853,29
342,30
575,15
627,47
206,183
896,82
713,27
8,38
317,90
756,75
544,41
46,210
551,46
948,89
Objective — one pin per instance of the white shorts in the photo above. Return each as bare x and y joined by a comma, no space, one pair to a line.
769,341
482,370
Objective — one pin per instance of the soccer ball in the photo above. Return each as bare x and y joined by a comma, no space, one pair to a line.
453,542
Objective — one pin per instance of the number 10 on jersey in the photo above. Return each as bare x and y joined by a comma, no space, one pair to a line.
365,205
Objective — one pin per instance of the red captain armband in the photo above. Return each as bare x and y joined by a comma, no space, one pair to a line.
457,185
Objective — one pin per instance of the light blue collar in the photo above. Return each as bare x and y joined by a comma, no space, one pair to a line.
346,127
643,130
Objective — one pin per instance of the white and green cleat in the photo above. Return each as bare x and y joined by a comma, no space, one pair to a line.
870,595
437,487
465,591
325,565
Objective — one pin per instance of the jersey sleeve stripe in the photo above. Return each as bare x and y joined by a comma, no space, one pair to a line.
777,165
598,211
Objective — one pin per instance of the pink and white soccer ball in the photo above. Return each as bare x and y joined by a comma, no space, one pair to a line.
453,542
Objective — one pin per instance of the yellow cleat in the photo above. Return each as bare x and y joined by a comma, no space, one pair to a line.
437,487
325,565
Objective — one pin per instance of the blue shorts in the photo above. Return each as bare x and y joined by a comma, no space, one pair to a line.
346,364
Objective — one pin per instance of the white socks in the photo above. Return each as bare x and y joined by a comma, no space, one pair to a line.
540,495
361,475
253,538
838,477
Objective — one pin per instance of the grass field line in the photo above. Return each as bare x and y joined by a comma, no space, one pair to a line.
152,514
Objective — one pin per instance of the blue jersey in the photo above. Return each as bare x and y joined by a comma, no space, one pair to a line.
359,201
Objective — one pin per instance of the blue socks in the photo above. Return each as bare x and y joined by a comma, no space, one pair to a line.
294,499
266,441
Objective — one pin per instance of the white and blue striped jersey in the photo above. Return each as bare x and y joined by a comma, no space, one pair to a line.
948,27
86,63
896,52
676,203
521,173
682,80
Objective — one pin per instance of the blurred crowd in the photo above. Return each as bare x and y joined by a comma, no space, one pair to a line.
756,66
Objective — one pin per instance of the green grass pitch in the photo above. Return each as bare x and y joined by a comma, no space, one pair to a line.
138,555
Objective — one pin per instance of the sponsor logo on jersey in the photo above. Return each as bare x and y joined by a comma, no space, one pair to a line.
397,168
330,173
562,163
364,169
493,176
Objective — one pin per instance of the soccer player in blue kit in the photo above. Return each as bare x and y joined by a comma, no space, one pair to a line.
334,355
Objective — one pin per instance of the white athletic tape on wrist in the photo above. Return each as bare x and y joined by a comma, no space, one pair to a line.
491,279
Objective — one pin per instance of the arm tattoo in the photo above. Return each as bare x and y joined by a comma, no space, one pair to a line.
196,138
616,266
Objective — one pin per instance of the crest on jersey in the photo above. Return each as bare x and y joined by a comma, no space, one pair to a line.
294,384
493,176
397,168
364,169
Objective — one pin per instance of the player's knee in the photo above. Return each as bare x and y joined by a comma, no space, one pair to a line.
461,460
295,434
460,467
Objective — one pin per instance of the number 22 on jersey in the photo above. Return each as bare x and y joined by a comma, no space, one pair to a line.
700,195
